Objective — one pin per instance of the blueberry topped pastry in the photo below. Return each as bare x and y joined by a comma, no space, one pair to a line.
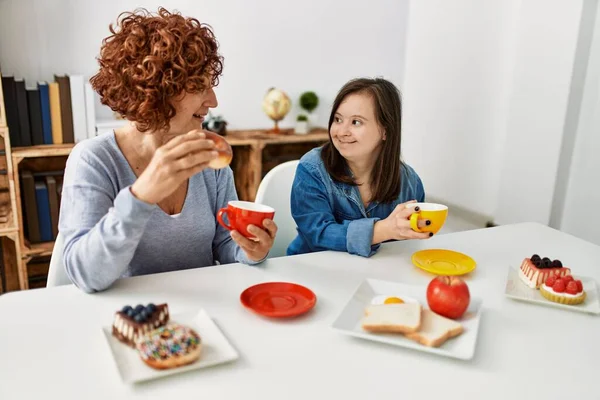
535,270
132,322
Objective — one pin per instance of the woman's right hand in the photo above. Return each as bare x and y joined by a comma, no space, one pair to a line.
397,225
172,164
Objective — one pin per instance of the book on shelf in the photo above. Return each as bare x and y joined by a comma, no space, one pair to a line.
22,112
12,113
42,199
35,116
66,109
40,196
57,112
53,204
29,207
44,91
78,107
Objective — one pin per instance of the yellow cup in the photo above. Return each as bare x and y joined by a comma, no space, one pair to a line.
436,213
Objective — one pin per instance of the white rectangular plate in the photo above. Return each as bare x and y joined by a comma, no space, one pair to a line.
518,290
349,320
216,349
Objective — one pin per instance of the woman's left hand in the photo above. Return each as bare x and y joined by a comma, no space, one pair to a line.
257,249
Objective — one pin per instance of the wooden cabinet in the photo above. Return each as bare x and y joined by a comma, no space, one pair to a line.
257,152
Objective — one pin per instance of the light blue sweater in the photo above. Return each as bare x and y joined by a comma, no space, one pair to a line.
108,233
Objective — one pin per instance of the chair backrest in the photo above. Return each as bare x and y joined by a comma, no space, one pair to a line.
275,191
57,276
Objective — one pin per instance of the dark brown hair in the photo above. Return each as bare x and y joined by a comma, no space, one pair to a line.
385,179
149,60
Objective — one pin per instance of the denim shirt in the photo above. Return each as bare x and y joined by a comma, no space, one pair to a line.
330,215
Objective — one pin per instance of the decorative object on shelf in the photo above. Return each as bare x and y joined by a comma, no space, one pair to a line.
309,101
215,124
276,104
301,125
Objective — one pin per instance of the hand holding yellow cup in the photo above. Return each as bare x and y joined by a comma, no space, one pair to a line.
436,213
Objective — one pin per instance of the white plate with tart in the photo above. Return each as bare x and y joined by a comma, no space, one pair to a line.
147,343
549,283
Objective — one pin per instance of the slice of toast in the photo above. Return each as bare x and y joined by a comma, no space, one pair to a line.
435,329
392,318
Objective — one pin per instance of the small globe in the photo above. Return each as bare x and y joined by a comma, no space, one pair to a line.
276,104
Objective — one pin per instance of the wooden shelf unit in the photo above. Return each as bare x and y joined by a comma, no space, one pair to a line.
39,249
3,123
11,278
48,150
248,165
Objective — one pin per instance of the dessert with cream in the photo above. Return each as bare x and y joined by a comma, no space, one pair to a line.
535,270
566,290
131,323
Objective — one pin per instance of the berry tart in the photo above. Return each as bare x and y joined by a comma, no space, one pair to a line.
169,346
535,270
564,290
130,323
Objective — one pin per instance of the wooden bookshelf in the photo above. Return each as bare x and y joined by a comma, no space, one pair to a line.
36,159
8,199
12,277
3,123
48,150
255,153
38,249
4,186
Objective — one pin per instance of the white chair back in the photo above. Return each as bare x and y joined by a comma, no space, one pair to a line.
57,276
275,191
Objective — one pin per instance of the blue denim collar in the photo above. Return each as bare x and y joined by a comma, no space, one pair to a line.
352,193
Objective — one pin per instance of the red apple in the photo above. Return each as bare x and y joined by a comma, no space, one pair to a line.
223,148
448,296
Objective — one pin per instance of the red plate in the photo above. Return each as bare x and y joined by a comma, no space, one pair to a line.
278,299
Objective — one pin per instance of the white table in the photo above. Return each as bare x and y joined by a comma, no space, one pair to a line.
52,346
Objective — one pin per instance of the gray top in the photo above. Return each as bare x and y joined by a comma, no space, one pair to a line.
109,233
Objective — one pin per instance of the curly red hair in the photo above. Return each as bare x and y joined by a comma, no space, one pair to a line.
149,60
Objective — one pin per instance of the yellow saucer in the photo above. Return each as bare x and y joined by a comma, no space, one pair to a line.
443,262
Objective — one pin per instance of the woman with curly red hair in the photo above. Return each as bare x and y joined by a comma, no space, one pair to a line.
141,199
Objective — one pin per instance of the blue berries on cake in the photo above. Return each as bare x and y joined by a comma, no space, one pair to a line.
132,322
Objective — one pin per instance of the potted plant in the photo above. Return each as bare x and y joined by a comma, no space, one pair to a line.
309,101
301,125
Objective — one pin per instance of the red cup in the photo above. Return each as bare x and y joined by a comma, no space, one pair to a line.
240,214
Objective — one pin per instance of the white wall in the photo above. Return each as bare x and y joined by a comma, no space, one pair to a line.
581,213
457,81
548,33
487,85
296,46
574,111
